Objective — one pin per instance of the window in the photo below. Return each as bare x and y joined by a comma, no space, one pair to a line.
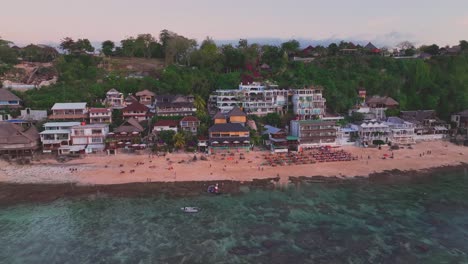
96,131
79,132
96,140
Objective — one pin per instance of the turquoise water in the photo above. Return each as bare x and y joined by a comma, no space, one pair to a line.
422,221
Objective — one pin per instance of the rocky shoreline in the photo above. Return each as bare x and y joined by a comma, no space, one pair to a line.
15,193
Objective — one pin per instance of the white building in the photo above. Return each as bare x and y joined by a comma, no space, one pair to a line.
372,130
115,99
90,138
402,132
309,103
255,98
56,135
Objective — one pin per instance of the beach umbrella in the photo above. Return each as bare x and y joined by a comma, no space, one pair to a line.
123,133
128,143
225,142
120,142
135,133
236,142
246,141
215,142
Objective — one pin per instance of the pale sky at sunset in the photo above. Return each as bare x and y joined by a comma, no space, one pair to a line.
385,22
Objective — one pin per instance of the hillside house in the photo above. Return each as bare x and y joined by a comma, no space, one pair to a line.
427,126
69,111
146,97
175,105
9,99
190,124
137,111
114,99
100,116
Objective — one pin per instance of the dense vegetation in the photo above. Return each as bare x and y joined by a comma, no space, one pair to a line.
439,83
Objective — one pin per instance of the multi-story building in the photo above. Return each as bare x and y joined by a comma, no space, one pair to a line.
374,107
228,136
146,97
256,99
427,126
190,124
100,115
91,138
379,104
314,133
69,111
56,135
309,103
175,105
279,141
401,131
127,135
372,130
115,99
236,115
136,110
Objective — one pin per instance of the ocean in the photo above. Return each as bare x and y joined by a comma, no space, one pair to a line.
421,220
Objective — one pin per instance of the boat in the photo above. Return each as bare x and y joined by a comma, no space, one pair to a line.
190,209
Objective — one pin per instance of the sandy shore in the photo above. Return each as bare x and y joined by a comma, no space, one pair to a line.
180,167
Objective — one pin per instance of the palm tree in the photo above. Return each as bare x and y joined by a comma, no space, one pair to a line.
200,104
179,140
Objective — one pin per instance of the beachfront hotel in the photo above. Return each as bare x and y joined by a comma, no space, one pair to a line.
254,98
314,133
56,135
308,103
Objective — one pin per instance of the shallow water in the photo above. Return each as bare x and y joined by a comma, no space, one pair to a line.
347,222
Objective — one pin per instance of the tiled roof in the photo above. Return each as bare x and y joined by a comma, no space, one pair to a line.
190,119
135,106
236,111
145,92
169,123
14,134
99,110
219,115
6,95
228,127
129,125
386,100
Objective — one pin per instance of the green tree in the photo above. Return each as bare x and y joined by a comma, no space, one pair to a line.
291,46
108,47
179,140
272,119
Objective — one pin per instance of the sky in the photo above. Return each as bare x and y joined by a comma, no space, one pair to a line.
385,23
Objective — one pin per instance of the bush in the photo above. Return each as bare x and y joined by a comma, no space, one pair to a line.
378,142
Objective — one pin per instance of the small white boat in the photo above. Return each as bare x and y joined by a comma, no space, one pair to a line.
190,209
